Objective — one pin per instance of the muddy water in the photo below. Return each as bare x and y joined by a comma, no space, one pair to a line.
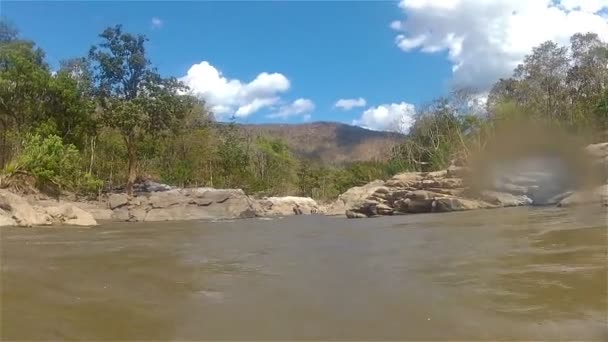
510,274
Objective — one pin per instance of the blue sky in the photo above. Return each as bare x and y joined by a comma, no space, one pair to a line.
292,61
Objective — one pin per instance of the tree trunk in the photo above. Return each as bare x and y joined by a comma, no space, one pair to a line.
132,152
93,139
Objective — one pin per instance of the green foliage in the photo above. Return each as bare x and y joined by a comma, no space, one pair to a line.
52,164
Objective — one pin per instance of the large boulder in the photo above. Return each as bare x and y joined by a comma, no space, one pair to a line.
357,195
598,195
289,205
189,204
70,215
21,211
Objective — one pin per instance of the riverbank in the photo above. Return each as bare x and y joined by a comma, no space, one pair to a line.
457,188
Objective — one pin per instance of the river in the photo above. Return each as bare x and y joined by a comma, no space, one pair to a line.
507,274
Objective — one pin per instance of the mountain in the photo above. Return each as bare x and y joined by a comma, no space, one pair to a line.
330,142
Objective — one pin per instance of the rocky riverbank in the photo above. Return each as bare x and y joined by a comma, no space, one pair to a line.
454,189
523,183
152,202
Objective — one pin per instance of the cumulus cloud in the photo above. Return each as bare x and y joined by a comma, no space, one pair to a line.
348,104
398,117
486,39
229,97
299,107
157,22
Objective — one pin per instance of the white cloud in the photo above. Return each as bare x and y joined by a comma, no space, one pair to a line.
231,96
348,104
486,39
397,117
299,107
157,22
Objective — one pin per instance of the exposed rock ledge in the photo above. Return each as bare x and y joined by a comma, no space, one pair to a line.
16,211
531,182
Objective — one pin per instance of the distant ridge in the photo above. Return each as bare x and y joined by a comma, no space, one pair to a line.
330,142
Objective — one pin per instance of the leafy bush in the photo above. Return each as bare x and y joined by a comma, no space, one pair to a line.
52,164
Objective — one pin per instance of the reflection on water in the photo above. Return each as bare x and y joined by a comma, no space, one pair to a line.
512,274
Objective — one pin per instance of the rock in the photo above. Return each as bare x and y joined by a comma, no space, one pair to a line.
150,186
383,209
436,174
352,214
598,195
21,211
121,214
197,204
448,204
358,194
137,215
511,188
71,215
286,206
421,195
503,199
202,202
117,200
413,206
598,151
101,214
457,171
6,220
217,196
404,180
336,208
559,197
166,199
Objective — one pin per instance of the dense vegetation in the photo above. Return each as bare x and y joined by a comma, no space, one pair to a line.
110,119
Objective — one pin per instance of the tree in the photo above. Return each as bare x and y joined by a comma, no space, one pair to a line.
24,79
133,97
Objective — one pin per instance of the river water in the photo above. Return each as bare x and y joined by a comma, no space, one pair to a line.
508,274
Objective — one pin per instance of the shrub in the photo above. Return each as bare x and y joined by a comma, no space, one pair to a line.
52,165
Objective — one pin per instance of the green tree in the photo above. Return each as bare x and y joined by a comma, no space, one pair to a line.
134,98
274,167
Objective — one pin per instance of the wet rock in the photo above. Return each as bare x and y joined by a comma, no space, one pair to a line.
383,209
354,215
503,199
